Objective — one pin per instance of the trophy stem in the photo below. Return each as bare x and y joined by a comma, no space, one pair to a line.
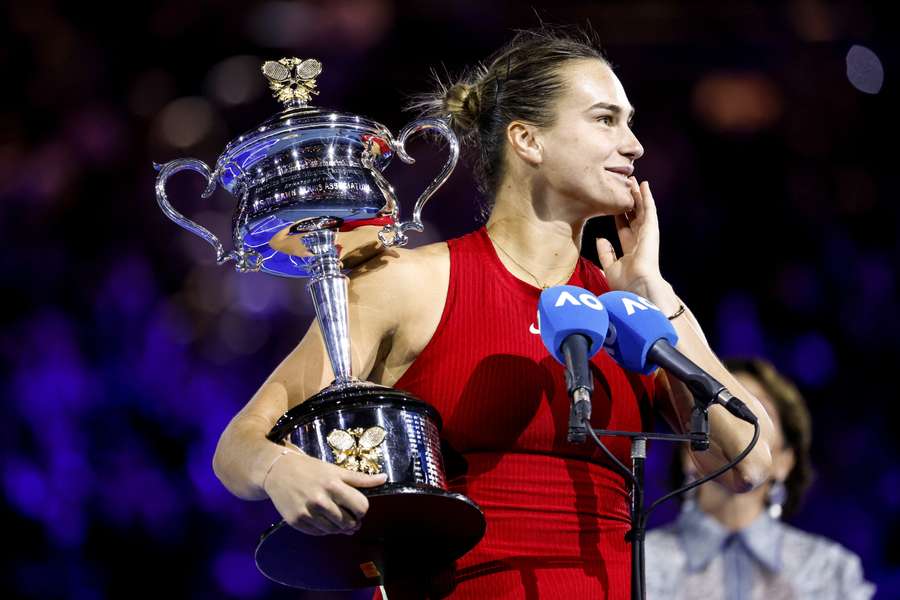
328,287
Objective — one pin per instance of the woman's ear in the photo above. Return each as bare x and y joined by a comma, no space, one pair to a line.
524,143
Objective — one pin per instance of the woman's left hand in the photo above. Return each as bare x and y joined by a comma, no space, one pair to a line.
637,270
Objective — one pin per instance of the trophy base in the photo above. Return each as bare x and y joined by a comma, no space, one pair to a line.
408,530
414,525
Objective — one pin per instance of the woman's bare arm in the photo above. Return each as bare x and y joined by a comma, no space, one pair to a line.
312,495
637,270
728,435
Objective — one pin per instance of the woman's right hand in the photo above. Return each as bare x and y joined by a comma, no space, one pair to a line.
316,497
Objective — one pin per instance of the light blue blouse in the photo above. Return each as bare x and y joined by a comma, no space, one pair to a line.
697,558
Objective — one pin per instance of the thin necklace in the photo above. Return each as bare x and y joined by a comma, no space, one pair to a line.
536,280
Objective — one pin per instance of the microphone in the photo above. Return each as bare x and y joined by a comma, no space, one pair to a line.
573,326
641,339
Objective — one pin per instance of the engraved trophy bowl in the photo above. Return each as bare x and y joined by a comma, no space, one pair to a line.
305,162
300,178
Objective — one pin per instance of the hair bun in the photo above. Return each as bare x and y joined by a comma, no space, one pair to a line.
463,102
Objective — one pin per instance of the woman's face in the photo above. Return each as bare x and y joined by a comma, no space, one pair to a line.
590,140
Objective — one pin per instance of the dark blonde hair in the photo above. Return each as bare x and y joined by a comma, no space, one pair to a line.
519,82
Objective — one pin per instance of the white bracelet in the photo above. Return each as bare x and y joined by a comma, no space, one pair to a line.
275,460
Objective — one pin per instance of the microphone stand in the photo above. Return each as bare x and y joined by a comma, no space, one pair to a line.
579,428
706,391
637,508
699,439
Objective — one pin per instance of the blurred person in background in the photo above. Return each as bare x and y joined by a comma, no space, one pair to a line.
549,126
735,546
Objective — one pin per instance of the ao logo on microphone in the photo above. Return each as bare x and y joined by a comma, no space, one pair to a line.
586,299
633,304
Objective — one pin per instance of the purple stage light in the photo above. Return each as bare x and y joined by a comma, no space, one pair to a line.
812,360
237,575
738,326
864,70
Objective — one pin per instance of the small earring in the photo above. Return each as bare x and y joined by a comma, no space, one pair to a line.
776,497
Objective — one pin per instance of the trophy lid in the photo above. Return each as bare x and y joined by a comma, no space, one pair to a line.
293,83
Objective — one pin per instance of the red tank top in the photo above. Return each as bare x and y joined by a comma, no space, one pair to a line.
557,513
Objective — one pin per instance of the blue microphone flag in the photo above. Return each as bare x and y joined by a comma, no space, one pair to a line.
565,310
635,324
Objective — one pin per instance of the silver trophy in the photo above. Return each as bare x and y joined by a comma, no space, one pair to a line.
299,178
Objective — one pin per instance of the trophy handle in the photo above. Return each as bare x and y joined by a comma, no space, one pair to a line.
395,233
244,260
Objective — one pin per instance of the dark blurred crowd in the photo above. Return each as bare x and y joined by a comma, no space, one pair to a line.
126,350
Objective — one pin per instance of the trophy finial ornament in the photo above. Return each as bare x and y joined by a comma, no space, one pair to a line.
292,79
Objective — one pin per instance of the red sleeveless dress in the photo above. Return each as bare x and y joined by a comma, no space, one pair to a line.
557,513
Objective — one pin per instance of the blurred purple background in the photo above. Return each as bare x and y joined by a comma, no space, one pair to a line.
125,350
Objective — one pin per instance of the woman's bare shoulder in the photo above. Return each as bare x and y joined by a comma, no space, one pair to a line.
402,293
403,267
